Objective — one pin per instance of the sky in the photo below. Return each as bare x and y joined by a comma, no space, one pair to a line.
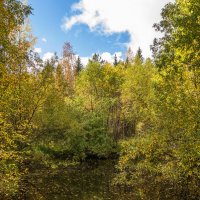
107,27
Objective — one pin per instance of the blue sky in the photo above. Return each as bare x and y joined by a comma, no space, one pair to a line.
102,26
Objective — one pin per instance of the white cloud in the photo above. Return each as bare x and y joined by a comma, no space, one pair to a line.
44,40
105,56
115,16
84,60
47,56
37,50
109,57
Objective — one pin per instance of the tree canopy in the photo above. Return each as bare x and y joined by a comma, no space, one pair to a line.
144,112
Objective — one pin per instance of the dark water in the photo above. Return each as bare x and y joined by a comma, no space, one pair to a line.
88,181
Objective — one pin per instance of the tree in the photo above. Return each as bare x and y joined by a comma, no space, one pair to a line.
136,95
115,60
129,56
138,56
79,65
168,155
97,58
69,65
180,27
14,112
61,83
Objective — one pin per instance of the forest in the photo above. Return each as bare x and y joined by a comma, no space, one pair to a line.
142,112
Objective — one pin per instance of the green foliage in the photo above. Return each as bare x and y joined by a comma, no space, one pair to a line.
155,162
138,56
99,142
79,65
167,155
137,96
15,111
58,111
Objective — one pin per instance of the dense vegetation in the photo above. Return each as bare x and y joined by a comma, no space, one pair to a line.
145,111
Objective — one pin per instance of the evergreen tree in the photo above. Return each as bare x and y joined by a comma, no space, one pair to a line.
138,56
79,65
115,60
97,58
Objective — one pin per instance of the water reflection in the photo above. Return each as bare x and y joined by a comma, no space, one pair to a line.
85,182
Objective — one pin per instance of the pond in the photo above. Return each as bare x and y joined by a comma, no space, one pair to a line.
88,181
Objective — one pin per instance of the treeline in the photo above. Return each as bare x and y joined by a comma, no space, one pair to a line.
145,111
